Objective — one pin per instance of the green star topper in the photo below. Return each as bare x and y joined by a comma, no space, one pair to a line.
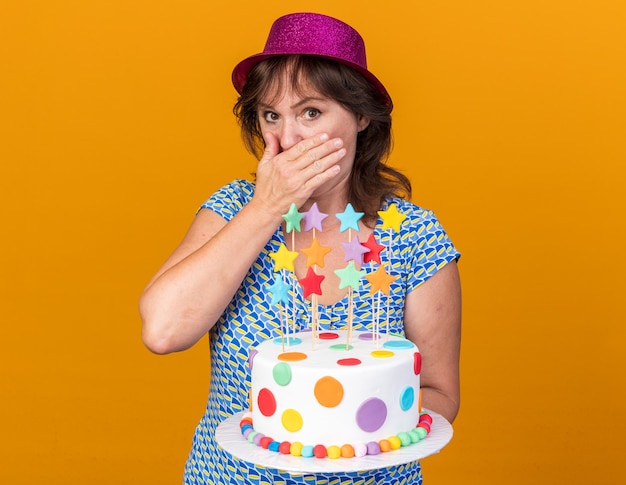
293,218
349,276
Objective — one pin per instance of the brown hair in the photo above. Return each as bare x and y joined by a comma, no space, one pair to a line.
371,179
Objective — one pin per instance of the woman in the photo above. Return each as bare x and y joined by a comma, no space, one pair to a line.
320,124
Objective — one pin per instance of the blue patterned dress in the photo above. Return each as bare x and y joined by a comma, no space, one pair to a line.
417,252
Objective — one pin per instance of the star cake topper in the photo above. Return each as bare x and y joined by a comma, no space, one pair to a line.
349,218
280,292
313,218
312,283
392,218
380,280
293,218
349,276
354,250
315,254
374,250
283,258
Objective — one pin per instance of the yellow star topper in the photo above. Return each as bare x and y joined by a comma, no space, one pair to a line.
315,254
392,218
283,258
380,280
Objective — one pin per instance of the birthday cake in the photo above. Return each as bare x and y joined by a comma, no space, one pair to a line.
335,397
334,393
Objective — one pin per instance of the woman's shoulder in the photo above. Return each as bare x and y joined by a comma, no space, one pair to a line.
238,189
408,209
230,198
417,222
422,231
241,188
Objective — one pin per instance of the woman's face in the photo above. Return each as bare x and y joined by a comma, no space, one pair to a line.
292,117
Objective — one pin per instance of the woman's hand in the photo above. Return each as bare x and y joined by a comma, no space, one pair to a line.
291,176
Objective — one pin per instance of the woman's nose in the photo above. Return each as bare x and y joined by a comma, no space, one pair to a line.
290,134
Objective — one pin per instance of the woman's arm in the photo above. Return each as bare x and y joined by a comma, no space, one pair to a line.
191,290
189,293
432,320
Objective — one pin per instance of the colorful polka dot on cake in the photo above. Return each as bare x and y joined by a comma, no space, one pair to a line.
292,356
253,352
340,347
382,354
371,414
282,373
266,402
292,420
368,336
407,398
287,341
328,391
398,344
417,363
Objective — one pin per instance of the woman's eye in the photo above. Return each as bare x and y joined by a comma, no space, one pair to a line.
311,113
270,116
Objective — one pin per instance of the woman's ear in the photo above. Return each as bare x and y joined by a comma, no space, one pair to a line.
362,122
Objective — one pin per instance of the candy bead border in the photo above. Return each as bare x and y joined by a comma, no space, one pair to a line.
421,431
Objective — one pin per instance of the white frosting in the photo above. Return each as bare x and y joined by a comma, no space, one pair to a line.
386,385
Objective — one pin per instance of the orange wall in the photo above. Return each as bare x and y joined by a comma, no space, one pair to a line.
116,124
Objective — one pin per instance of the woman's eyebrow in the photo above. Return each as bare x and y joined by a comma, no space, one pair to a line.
307,100
303,101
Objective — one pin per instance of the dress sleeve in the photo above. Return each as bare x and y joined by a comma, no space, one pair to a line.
230,199
431,250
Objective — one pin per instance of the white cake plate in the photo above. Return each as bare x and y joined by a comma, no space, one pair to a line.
229,437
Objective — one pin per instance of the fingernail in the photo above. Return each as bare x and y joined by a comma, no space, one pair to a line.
323,137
